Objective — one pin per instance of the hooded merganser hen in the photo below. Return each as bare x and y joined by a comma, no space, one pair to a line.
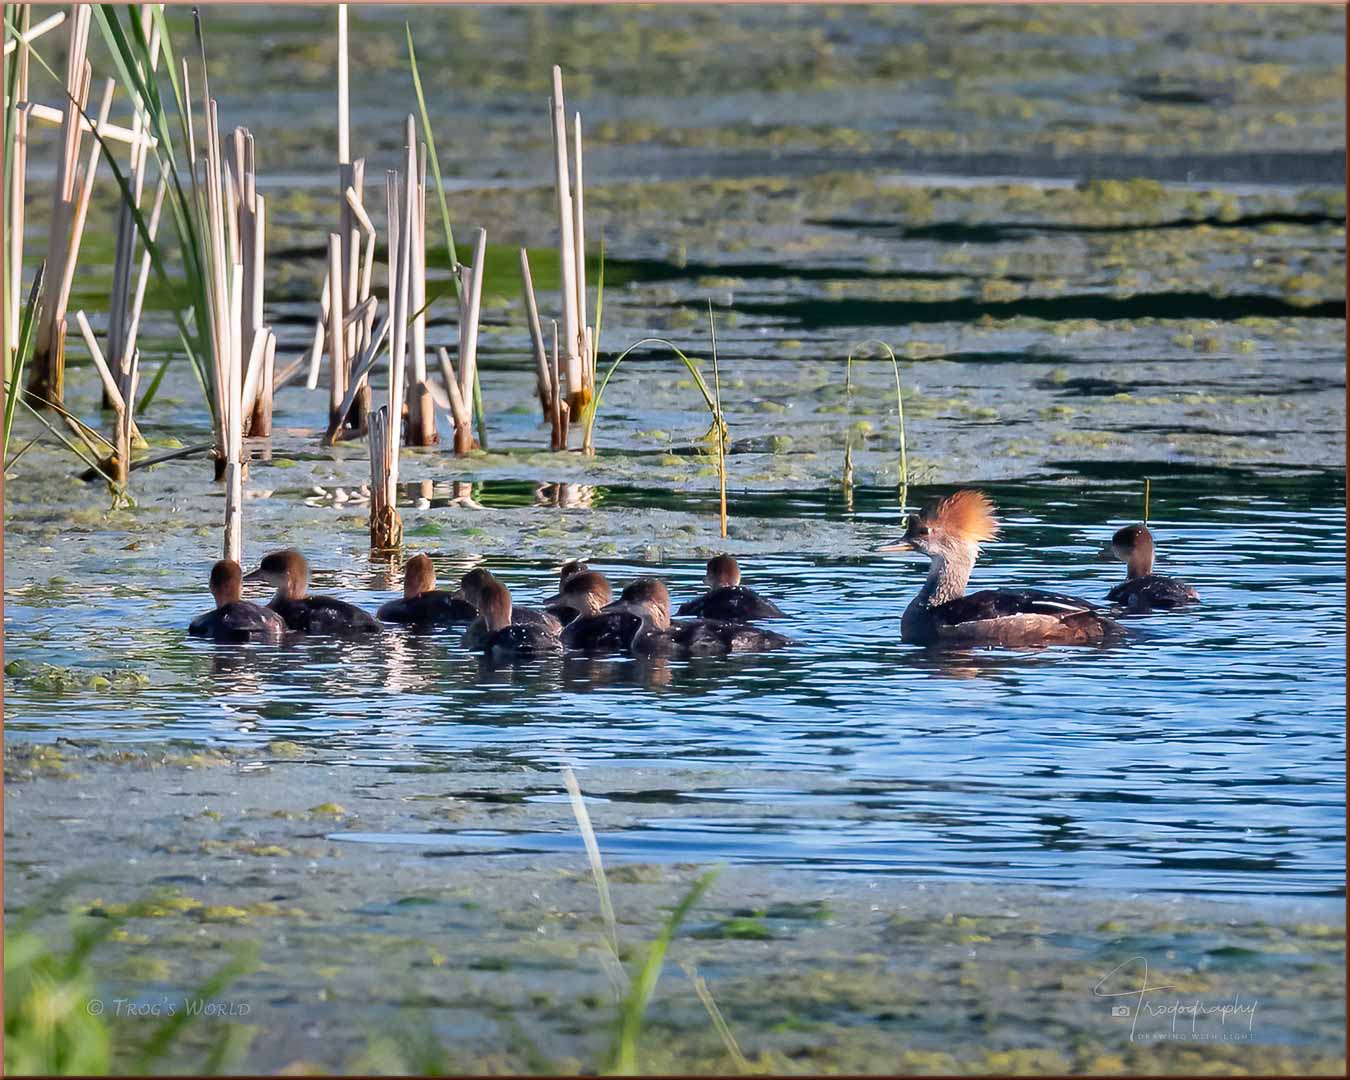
583,593
422,603
727,598
474,586
950,533
507,639
1143,590
288,572
235,619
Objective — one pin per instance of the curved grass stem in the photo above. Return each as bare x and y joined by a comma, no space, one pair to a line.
899,407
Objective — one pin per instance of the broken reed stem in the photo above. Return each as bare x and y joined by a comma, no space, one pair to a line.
337,385
470,307
421,410
386,528
567,255
46,379
543,376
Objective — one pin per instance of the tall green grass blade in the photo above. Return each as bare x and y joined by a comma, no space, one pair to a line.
623,1057
132,57
721,427
435,161
67,443
899,406
163,1037
27,323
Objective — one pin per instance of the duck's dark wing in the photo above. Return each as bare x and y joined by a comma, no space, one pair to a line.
605,631
1152,592
325,615
1002,603
532,617
238,621
436,608
731,603
710,637
522,640
562,613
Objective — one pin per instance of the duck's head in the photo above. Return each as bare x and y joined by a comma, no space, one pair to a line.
286,571
471,585
722,572
587,591
951,528
494,604
227,582
647,597
1133,545
419,576
571,570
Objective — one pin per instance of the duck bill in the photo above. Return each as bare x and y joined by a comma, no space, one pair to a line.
1107,555
899,545
556,598
255,575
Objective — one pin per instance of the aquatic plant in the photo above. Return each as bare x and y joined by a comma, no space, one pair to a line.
466,400
53,1025
636,991
899,417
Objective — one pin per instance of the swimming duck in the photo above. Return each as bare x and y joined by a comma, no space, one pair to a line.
639,621
611,628
727,598
288,572
235,619
424,605
658,636
507,639
950,533
1143,590
474,586
583,593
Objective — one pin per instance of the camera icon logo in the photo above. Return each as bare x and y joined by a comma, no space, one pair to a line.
1120,1010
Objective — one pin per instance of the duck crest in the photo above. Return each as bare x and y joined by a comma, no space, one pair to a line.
967,514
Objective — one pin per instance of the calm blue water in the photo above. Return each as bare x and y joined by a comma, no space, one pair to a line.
1205,754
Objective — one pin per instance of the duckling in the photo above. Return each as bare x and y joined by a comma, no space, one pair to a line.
611,628
1143,590
507,639
658,636
424,605
727,598
235,619
473,586
950,533
288,572
583,593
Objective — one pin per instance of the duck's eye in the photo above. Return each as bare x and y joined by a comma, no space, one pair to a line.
922,530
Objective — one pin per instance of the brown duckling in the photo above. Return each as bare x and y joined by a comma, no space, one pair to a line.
234,618
506,638
474,586
1143,590
424,605
288,573
583,593
727,598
